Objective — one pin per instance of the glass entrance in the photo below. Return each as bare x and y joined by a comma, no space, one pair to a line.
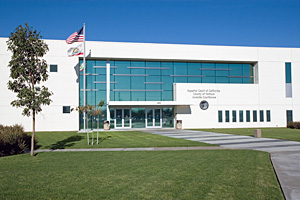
122,118
153,118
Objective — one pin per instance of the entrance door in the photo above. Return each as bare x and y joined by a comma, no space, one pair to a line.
122,118
153,118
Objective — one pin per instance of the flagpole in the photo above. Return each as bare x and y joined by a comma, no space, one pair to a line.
84,79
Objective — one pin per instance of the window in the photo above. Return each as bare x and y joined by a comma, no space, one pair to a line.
37,88
268,115
261,116
66,109
220,116
248,116
289,116
227,115
145,80
254,116
153,80
288,80
288,72
234,116
53,68
241,116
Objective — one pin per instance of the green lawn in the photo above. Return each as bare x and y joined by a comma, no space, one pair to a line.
204,174
121,139
277,133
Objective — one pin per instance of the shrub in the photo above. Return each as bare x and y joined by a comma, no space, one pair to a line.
294,125
13,140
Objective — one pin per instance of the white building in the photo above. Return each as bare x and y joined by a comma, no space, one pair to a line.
154,85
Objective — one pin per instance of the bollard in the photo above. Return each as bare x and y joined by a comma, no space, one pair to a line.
179,124
257,133
106,125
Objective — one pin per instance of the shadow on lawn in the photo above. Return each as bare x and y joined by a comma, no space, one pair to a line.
101,139
70,141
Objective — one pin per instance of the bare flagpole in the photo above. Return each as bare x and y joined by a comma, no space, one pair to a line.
84,79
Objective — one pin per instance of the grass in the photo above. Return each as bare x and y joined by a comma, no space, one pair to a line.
121,139
277,133
205,174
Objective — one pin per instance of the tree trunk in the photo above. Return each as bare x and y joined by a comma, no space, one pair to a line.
32,136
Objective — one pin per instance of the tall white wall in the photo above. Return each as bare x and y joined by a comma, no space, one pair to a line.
269,94
63,84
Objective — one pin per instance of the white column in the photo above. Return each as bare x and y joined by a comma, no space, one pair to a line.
84,78
107,89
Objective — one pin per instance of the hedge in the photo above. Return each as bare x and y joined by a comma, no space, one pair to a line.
294,125
13,140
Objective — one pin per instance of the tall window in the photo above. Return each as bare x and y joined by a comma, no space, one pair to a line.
289,116
261,115
220,116
288,72
227,115
241,115
248,116
254,116
288,80
268,115
234,116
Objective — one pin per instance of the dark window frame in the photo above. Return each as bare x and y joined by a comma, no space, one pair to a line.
254,115
248,116
220,116
66,109
261,116
53,68
234,116
227,116
241,116
268,115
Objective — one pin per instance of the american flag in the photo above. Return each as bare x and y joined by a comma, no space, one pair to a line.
75,37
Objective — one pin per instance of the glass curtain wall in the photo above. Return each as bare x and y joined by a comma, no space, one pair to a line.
152,81
95,91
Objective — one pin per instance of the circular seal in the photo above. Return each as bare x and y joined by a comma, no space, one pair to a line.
204,105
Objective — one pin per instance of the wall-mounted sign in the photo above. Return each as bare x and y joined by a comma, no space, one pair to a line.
204,105
203,93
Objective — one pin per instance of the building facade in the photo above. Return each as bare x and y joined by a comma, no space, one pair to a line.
158,85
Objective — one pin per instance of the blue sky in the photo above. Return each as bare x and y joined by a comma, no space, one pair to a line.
270,23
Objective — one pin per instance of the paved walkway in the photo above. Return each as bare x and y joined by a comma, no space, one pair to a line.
132,149
285,155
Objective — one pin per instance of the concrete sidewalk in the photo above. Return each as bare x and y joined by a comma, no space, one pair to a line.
285,155
132,149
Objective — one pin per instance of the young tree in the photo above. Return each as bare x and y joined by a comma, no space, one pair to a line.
27,70
92,111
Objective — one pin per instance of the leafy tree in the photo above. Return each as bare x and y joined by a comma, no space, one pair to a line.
27,70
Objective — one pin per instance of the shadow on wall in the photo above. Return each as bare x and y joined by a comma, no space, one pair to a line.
70,141
184,110
77,67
